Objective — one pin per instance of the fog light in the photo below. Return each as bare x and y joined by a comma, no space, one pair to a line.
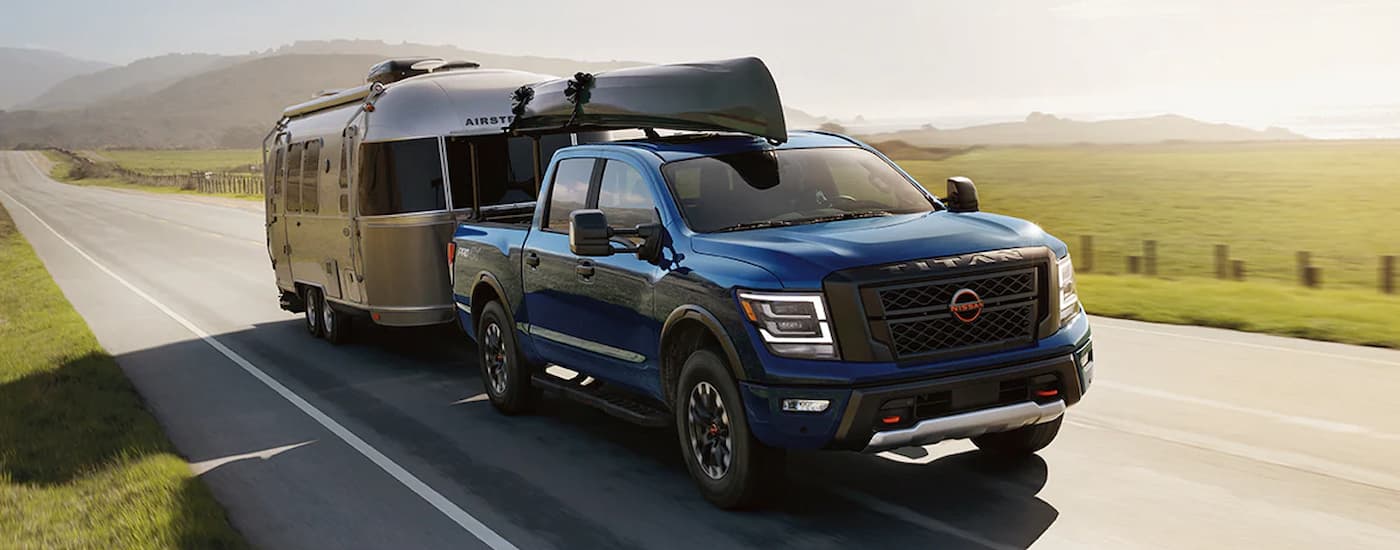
805,405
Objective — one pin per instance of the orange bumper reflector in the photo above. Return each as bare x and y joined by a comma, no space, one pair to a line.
1047,393
375,316
891,419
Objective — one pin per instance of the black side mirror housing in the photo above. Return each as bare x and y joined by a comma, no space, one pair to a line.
962,195
589,235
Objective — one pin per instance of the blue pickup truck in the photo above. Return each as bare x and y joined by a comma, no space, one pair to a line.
761,296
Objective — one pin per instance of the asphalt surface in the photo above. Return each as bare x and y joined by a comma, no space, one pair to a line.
1191,437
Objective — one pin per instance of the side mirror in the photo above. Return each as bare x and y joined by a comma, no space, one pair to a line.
962,195
589,234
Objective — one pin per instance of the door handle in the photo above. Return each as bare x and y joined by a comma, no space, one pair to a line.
584,269
532,259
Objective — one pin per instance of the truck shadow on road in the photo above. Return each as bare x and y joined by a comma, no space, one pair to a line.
571,476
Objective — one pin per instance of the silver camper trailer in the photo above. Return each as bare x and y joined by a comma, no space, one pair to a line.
364,186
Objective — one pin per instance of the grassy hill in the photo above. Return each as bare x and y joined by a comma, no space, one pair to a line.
139,78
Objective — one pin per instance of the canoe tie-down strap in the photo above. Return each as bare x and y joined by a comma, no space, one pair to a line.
579,92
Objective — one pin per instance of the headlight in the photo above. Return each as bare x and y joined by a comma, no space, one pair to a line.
1069,296
791,324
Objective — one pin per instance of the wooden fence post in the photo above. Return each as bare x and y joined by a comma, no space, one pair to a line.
1134,264
1304,261
1237,270
1149,258
1222,259
1312,277
1388,274
1086,253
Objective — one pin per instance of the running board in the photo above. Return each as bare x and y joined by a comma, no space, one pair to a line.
613,402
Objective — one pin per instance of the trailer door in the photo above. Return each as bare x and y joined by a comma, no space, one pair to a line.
275,181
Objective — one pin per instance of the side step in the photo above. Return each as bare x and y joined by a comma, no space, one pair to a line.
616,403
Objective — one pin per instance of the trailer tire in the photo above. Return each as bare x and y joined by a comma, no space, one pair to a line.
335,324
1020,442
312,297
504,375
729,465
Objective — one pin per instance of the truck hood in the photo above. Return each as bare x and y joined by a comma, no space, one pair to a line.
801,256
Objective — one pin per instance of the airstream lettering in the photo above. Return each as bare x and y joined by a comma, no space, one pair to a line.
365,185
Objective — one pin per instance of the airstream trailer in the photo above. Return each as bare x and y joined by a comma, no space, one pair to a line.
364,186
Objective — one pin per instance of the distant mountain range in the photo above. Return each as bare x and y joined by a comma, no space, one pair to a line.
29,72
1046,129
207,100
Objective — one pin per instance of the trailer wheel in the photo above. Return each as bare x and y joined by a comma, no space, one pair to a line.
312,297
1019,442
505,376
730,466
335,325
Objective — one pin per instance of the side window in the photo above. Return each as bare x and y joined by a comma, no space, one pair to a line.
624,197
568,193
275,181
293,185
310,177
344,178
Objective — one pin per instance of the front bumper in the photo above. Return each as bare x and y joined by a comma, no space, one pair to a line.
954,406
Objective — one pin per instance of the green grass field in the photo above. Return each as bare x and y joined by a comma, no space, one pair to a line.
82,464
1338,200
172,162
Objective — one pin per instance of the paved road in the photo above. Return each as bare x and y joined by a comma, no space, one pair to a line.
1191,437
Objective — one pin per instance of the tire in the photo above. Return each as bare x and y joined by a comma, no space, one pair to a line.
503,373
335,325
312,297
1020,442
713,428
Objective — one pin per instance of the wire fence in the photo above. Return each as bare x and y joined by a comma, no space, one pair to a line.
197,181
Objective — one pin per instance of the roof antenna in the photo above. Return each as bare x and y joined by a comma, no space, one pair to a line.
651,133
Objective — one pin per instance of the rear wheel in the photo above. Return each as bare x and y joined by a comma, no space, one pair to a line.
335,325
730,466
505,376
1021,441
312,297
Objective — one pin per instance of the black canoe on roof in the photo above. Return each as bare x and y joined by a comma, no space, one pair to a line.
733,95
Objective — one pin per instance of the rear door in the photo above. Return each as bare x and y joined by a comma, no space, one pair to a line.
554,293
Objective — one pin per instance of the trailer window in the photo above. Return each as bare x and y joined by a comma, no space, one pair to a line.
569,192
293,185
400,177
311,177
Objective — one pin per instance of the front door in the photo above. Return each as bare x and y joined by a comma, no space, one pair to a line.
275,180
595,314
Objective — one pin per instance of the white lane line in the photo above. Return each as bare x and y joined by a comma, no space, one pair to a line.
1308,422
1112,326
1287,459
403,476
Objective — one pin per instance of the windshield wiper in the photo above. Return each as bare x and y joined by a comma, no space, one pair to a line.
847,216
755,225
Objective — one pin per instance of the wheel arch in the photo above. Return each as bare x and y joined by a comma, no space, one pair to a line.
485,289
687,328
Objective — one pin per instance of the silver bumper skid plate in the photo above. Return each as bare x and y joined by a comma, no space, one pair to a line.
968,424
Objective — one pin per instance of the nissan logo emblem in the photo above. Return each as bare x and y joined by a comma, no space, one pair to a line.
966,305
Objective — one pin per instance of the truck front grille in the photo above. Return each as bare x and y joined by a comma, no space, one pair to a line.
916,319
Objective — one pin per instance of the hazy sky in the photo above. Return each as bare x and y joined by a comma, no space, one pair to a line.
1223,59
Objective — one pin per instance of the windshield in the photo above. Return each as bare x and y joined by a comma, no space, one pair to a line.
757,189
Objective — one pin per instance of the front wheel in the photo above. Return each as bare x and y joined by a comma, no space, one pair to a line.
1022,441
505,376
730,466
